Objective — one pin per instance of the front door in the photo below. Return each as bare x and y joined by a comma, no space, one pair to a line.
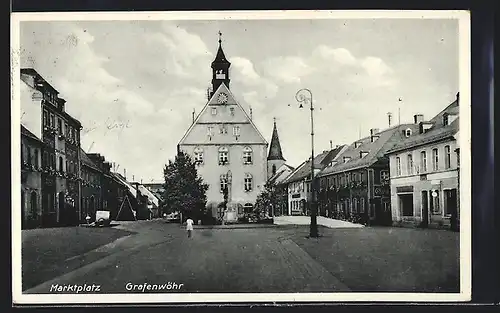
425,208
452,207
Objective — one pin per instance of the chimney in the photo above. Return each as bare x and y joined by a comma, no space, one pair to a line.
458,96
125,173
418,118
389,116
331,145
133,177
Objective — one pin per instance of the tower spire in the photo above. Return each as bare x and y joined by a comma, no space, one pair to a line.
275,152
220,68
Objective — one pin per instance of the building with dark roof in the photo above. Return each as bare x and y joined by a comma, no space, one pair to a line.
355,186
44,114
424,172
299,181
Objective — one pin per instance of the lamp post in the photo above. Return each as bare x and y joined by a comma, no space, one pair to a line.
304,96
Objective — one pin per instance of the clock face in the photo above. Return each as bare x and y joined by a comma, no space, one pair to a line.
222,98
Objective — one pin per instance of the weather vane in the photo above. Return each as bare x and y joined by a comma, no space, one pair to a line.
220,37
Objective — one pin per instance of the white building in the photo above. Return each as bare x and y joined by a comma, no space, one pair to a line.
227,147
424,172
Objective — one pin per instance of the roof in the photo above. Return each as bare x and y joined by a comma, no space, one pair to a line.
220,57
281,174
25,132
87,161
122,180
72,119
374,150
39,78
320,161
437,132
275,152
151,197
197,133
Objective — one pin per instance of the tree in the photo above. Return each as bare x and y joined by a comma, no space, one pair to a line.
267,200
185,191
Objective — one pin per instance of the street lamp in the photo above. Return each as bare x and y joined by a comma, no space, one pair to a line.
304,96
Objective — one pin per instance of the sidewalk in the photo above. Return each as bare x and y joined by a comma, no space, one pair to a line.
235,226
322,221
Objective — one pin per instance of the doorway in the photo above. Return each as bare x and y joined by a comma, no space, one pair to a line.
406,204
62,212
425,208
451,206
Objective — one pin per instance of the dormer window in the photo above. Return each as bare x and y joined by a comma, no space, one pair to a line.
362,154
231,111
407,133
357,144
223,129
374,138
332,163
214,111
347,159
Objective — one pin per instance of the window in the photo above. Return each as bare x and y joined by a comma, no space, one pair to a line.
36,163
223,156
198,155
435,159
223,129
210,131
236,130
59,126
247,155
223,182
45,161
409,164
45,118
398,166
52,122
66,129
347,178
61,162
274,169
384,175
355,205
248,182
445,120
231,110
214,111
28,150
447,157
423,161
408,132
53,161
361,205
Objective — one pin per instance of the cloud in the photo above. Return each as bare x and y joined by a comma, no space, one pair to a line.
287,69
339,55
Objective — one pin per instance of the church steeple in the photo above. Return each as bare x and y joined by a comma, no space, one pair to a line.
220,68
275,152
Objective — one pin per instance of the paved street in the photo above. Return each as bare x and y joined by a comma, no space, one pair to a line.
271,259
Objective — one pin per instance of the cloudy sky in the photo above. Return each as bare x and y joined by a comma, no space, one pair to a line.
134,84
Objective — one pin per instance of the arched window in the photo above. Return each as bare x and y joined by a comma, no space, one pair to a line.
61,164
198,155
248,182
223,156
408,132
247,155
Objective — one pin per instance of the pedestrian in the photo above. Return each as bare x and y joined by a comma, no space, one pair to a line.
189,226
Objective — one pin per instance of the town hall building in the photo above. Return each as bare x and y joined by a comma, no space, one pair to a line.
228,149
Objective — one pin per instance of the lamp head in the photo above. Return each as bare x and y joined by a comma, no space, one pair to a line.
301,106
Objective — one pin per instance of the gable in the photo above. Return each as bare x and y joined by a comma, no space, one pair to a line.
198,132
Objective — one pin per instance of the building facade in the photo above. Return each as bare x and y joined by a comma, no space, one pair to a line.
91,200
299,181
356,187
228,149
424,173
44,115
31,179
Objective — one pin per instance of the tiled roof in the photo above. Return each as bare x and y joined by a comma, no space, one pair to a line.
27,133
437,132
374,150
320,161
432,135
87,161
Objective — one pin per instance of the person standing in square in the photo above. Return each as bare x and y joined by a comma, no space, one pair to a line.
189,227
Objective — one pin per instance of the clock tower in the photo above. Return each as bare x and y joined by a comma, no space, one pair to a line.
220,68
